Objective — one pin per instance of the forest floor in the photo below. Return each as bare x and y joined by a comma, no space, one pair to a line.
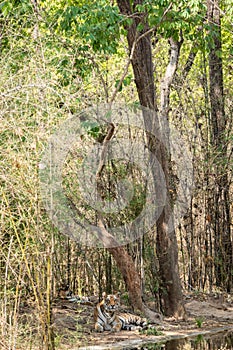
73,323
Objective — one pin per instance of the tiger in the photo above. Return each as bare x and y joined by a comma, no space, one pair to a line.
64,292
107,317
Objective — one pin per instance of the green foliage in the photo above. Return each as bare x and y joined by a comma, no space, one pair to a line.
125,299
199,321
199,339
96,23
172,18
151,331
93,129
16,7
100,24
127,81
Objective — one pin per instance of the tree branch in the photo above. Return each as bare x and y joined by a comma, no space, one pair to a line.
169,76
106,238
127,11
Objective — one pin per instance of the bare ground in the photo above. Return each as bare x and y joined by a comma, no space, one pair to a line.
73,323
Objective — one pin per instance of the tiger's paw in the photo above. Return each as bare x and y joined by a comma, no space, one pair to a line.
107,327
99,328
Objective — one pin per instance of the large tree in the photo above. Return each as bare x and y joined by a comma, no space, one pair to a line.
101,26
104,38
140,48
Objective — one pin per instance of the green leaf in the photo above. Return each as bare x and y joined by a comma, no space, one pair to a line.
127,80
140,27
117,83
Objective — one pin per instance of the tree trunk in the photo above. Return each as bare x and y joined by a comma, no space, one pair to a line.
166,243
220,204
130,275
123,259
141,58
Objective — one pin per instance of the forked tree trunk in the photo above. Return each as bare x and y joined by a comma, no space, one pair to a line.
141,51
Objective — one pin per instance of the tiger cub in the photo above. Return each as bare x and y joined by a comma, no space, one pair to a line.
107,318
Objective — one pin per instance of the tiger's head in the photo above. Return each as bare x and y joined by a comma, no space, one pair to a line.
111,302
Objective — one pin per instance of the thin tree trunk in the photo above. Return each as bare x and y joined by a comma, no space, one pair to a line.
221,218
166,244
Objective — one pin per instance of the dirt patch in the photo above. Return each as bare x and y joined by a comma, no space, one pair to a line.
73,323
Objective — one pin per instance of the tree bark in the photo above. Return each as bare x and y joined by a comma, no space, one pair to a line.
166,243
220,205
131,277
139,43
123,259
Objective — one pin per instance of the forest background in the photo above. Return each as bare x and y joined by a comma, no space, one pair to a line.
59,58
